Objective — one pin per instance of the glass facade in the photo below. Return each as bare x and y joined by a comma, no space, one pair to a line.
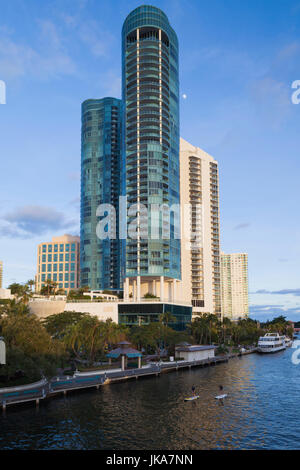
142,314
100,260
150,154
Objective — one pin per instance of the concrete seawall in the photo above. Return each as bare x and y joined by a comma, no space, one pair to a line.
62,385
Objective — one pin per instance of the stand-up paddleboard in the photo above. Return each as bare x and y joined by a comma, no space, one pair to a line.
220,397
192,398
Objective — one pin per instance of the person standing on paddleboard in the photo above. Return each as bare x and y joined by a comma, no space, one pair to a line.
193,390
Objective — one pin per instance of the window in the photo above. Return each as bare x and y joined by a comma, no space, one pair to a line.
49,248
49,258
54,277
72,285
49,268
72,267
55,267
72,256
55,258
66,276
61,247
72,276
43,277
43,268
66,285
67,257
44,248
55,248
67,247
66,267
44,258
73,247
61,267
60,277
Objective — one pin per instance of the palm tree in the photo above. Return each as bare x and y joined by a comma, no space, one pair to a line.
167,318
31,283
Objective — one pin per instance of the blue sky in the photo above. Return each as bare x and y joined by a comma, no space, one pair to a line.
238,60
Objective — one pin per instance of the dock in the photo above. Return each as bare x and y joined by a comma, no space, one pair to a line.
38,391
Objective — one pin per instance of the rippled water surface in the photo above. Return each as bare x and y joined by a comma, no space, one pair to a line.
261,411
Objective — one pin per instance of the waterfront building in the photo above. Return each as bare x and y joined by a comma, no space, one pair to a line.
130,149
100,259
200,237
58,260
1,273
234,276
194,352
150,91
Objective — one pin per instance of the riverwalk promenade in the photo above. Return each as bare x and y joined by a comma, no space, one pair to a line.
45,389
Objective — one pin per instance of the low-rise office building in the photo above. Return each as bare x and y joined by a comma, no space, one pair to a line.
58,260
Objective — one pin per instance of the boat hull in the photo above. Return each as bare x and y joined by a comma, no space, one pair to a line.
270,350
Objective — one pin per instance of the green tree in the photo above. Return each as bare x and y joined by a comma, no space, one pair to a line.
31,351
90,337
167,318
57,325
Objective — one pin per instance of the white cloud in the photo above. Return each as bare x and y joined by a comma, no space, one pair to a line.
48,58
28,221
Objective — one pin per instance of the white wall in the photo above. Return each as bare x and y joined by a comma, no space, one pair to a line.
43,308
2,352
102,310
196,355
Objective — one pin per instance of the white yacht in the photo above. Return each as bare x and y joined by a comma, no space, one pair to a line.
270,343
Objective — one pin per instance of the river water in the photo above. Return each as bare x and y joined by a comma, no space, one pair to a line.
260,412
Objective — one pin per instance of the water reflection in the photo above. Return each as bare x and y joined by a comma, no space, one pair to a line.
258,413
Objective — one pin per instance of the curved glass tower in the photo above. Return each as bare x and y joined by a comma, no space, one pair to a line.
100,260
150,153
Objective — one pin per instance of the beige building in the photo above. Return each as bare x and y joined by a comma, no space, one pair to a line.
58,260
200,245
1,274
234,275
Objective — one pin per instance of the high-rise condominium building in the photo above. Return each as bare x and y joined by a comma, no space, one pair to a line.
58,260
144,173
100,259
234,275
1,274
200,244
150,91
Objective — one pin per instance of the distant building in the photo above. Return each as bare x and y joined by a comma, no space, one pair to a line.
58,260
1,274
200,242
234,276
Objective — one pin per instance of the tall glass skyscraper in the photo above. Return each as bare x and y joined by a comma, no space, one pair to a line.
100,259
150,92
